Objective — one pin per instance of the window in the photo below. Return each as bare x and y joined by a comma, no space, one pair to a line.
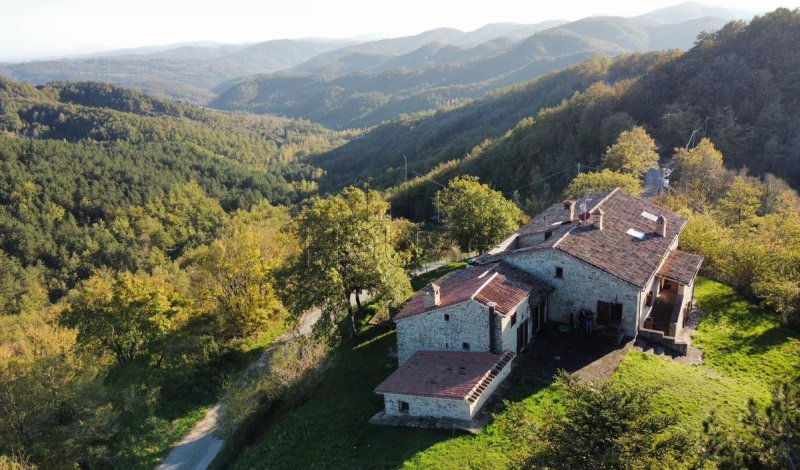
649,301
559,273
465,346
548,234
404,407
446,317
513,318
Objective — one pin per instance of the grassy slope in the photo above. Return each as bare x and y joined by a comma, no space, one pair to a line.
185,412
745,352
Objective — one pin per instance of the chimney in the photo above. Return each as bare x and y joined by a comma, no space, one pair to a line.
431,295
662,225
570,206
492,327
597,218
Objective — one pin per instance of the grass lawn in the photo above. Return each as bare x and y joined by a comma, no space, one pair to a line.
421,281
746,352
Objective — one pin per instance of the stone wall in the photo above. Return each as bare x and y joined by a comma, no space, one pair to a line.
460,409
508,333
468,323
581,286
475,407
427,407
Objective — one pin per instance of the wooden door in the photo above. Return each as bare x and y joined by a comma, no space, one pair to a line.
615,314
522,335
603,312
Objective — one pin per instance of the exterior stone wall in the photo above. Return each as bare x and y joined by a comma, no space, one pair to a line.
508,333
468,323
427,406
442,407
581,286
475,407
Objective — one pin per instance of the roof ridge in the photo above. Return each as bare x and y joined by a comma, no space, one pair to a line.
599,203
479,289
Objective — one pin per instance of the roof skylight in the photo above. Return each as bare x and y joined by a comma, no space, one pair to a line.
635,233
649,216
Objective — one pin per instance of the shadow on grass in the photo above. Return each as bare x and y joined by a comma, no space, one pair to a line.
331,429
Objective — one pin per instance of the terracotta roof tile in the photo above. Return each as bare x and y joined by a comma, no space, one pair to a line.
613,250
439,374
681,266
497,282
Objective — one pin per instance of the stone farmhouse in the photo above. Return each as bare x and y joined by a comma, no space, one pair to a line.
612,254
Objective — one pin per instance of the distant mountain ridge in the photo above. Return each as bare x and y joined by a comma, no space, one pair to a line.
440,67
357,87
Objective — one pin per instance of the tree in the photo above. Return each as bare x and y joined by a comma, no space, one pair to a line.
604,426
770,440
233,278
634,153
603,181
345,248
190,217
741,202
128,315
701,172
475,216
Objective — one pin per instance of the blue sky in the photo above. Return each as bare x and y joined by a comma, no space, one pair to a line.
30,28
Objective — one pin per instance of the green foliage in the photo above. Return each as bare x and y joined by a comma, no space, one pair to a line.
604,426
702,174
126,315
634,153
769,443
21,289
475,216
233,278
740,203
602,181
346,248
757,254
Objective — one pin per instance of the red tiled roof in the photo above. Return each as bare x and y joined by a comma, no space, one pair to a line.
439,374
508,288
612,249
681,266
498,282
456,287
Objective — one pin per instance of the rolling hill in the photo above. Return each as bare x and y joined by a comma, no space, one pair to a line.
737,85
363,85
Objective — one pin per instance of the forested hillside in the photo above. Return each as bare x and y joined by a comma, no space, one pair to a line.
365,87
81,160
735,85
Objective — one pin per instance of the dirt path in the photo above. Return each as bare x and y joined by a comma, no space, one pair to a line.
199,448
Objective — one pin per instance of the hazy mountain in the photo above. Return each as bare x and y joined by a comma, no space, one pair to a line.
186,72
372,55
692,11
438,74
739,81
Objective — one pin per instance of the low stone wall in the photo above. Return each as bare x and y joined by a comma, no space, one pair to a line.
475,407
427,407
668,342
